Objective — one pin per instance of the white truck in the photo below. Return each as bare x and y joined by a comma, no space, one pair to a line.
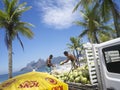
104,64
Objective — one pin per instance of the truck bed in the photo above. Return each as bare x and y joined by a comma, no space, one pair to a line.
79,86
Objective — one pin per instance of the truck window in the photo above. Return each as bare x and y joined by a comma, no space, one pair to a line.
112,58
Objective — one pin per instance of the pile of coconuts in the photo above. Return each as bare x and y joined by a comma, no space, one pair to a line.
78,75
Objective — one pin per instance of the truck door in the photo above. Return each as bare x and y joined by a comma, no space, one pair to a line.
109,53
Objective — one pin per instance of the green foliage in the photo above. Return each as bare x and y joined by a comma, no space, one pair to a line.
10,20
96,16
76,45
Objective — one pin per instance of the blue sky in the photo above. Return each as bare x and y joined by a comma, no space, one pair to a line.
53,21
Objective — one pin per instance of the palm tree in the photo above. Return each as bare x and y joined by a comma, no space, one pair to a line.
75,45
10,22
93,24
84,4
110,8
107,8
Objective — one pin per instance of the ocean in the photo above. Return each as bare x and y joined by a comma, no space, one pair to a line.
4,77
58,68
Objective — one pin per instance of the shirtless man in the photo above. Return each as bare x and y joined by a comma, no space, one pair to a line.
71,58
49,64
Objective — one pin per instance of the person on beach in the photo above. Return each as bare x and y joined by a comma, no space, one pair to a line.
49,64
71,58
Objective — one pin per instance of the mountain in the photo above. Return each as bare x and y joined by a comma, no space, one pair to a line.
40,64
57,60
33,65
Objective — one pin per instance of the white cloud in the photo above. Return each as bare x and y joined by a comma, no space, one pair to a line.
58,13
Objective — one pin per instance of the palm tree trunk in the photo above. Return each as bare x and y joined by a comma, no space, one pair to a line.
74,53
96,39
10,58
77,57
116,24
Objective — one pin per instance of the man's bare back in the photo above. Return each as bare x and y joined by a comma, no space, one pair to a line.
71,57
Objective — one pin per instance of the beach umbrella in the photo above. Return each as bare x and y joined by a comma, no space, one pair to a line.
34,81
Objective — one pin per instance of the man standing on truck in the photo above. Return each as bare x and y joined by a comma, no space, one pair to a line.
71,58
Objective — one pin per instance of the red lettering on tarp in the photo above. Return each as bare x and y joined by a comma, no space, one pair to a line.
33,83
51,80
57,88
8,83
29,84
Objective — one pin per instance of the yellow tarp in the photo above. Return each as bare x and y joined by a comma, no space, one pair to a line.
34,81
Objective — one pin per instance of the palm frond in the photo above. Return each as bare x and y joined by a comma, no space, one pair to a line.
26,32
80,23
12,5
84,15
6,3
83,33
20,9
3,14
25,24
20,42
77,5
108,28
96,23
105,10
24,9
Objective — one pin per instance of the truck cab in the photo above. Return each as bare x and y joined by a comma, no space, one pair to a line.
108,65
